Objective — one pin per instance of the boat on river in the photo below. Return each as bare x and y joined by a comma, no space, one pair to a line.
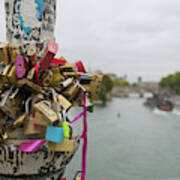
159,102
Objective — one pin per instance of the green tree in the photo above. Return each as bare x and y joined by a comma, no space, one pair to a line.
172,81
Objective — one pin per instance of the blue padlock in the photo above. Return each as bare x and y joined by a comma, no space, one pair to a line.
54,134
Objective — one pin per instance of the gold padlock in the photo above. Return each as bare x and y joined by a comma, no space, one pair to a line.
71,74
4,53
31,86
14,51
4,83
6,70
66,146
44,114
95,86
47,78
31,74
16,97
67,67
12,75
64,102
11,105
19,120
30,128
71,91
57,77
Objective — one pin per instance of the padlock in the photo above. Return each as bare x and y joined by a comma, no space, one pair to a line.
54,134
6,70
67,67
11,106
71,91
47,78
4,83
67,145
19,121
46,115
85,80
37,98
65,126
80,67
12,77
58,61
30,128
95,86
31,74
32,53
66,83
4,53
3,134
20,67
57,77
40,119
48,55
30,85
71,74
4,75
64,102
14,51
16,97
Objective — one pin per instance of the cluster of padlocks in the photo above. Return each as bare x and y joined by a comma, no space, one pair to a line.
36,95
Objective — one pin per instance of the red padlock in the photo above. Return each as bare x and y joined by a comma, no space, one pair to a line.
80,67
56,61
48,55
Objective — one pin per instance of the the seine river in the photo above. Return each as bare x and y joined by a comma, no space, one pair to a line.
127,141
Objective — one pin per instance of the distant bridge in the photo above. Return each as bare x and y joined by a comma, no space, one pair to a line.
152,87
140,88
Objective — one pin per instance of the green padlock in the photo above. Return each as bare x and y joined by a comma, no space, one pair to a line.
65,126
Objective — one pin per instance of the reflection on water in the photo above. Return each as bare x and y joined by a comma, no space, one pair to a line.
141,144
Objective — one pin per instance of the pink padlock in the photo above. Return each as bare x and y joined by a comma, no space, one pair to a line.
20,67
48,55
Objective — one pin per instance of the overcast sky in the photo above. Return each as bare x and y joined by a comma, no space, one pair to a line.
133,37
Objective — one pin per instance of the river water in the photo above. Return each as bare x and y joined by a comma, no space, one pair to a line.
140,144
